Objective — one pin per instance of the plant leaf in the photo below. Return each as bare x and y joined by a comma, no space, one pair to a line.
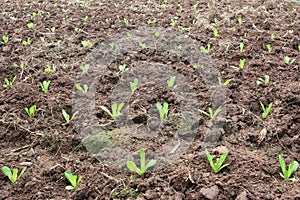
143,160
151,163
106,110
131,166
283,167
292,168
66,115
14,175
69,187
120,106
6,171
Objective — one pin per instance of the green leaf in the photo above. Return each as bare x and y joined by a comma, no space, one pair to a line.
7,172
151,163
120,106
131,166
292,168
69,187
66,115
14,175
282,165
143,160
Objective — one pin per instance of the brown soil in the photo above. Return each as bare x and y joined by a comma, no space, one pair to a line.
48,146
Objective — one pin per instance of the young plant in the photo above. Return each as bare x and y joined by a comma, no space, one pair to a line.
144,167
122,67
115,108
31,25
216,33
9,83
112,45
134,85
288,60
267,110
240,21
269,48
218,165
5,39
163,110
12,174
286,174
30,111
242,47
205,50
49,69
211,114
272,36
143,45
299,47
73,179
171,81
52,29
242,63
85,43
26,42
67,116
45,85
265,81
84,68
83,89
173,22
151,21
225,83
85,18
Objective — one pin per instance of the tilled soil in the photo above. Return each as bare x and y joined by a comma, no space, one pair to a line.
49,146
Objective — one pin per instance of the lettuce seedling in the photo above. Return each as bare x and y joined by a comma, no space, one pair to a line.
211,114
67,116
269,48
12,174
84,68
242,47
286,174
144,167
85,43
265,81
216,33
115,108
163,110
266,110
31,25
171,81
205,50
122,67
134,85
83,89
30,111
218,165
45,85
73,180
5,39
9,83
242,63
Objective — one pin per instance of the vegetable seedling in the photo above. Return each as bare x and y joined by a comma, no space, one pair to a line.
30,111
73,179
85,18
288,60
45,86
272,36
67,116
84,68
171,81
112,45
116,110
225,83
12,174
163,110
205,50
5,39
299,47
265,81
26,42
242,47
134,85
240,21
151,21
286,174
31,25
211,114
144,167
267,110
242,63
52,29
49,69
269,48
216,33
85,43
9,83
143,45
218,165
83,89
122,67
173,22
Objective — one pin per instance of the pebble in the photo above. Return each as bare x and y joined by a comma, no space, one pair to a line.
210,193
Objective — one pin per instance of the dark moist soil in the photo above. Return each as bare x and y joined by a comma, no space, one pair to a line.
48,146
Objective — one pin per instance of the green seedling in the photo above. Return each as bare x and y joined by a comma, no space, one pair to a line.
30,111
129,35
134,85
216,20
21,65
45,85
286,174
122,67
26,42
211,114
225,83
144,167
112,45
83,89
9,83
73,179
265,81
173,22
5,39
151,21
67,116
12,174
240,21
205,50
299,47
242,63
143,45
85,18
288,60
125,21
242,47
49,69
269,48
163,110
84,68
85,43
115,108
272,36
31,25
171,81
267,110
52,29
218,165
157,34
216,33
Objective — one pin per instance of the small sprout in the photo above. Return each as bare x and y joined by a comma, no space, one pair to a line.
157,34
205,50
116,5
269,48
286,174
195,66
129,34
49,69
116,110
85,43
216,20
5,39
163,110
112,45
31,25
272,36
143,45
211,114
267,110
84,68
173,22
240,21
12,174
241,47
67,116
171,81
134,85
144,167
218,165
83,89
265,81
9,83
122,67
85,18
73,180
45,85
151,21
299,47
26,42
30,111
52,29
242,63
225,83
216,33
125,21
288,60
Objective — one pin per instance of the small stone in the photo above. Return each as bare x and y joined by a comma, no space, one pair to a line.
27,164
6,48
151,195
242,196
178,196
221,149
210,193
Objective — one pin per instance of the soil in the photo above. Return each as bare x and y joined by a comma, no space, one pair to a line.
49,146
